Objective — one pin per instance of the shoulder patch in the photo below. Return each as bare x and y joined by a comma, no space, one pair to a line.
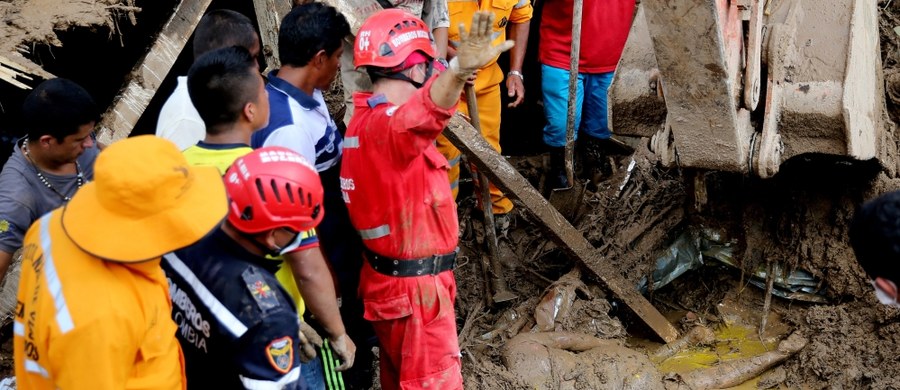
281,354
4,226
262,293
391,110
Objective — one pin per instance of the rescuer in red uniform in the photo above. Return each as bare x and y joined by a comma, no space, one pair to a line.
394,182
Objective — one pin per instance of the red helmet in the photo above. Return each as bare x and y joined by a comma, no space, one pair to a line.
273,187
387,37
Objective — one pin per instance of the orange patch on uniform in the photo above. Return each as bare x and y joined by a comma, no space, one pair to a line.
281,354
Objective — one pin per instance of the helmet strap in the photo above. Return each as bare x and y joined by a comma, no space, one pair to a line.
274,252
429,70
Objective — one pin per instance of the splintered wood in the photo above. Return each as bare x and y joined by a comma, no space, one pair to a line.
569,239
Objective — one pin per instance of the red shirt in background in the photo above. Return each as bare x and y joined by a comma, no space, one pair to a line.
605,25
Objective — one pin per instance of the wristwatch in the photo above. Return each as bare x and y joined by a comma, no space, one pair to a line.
516,73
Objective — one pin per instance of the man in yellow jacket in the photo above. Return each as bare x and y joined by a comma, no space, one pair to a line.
93,308
514,15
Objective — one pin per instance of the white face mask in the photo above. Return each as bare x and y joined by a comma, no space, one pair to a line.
884,297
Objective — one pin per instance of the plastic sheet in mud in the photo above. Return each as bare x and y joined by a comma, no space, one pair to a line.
693,246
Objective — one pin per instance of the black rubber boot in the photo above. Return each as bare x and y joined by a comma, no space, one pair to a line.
593,159
556,176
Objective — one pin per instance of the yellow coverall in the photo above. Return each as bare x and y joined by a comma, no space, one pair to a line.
487,84
86,323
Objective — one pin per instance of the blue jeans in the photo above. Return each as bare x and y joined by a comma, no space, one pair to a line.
555,88
311,373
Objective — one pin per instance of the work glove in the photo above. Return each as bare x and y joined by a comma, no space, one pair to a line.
476,48
345,349
309,342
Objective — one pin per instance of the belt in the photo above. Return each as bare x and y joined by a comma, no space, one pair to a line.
431,265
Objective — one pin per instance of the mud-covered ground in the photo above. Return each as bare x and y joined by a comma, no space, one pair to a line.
798,220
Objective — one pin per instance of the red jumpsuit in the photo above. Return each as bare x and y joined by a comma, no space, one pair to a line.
394,182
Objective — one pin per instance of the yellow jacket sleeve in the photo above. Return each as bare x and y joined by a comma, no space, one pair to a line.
521,12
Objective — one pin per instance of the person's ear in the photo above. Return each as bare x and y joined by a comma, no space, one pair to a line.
250,110
46,140
269,239
321,58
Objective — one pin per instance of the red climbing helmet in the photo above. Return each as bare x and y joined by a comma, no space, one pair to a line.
273,187
387,37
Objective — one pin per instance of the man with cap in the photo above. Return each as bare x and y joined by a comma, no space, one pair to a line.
405,214
875,237
53,160
93,305
237,326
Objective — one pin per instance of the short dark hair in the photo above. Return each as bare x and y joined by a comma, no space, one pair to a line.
223,28
220,83
58,107
307,29
875,236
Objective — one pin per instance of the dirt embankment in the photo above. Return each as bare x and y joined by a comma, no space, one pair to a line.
26,23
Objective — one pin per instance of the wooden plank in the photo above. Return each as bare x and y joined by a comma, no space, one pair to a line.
569,239
269,14
150,71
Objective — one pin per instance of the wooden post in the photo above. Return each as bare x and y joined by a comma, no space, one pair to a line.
269,14
570,240
150,71
573,88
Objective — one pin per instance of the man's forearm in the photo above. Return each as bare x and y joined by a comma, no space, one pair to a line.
440,40
446,89
316,285
518,33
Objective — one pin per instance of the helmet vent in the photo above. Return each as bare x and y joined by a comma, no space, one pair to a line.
385,50
300,195
290,194
259,187
247,214
275,191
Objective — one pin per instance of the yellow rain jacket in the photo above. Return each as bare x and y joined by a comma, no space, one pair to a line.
86,323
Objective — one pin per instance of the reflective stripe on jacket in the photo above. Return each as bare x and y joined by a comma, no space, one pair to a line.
393,179
82,322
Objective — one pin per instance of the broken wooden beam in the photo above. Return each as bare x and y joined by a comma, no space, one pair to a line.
570,240
146,77
269,14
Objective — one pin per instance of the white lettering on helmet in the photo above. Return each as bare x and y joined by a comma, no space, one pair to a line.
283,156
242,168
364,40
408,36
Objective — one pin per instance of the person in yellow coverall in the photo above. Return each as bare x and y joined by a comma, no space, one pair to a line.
93,308
514,15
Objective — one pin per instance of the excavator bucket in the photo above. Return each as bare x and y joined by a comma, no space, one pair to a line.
693,71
